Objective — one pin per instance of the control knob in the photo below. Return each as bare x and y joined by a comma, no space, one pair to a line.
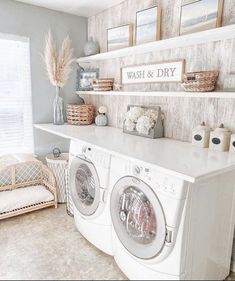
137,170
84,149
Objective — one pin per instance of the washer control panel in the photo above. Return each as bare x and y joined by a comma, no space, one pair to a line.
96,156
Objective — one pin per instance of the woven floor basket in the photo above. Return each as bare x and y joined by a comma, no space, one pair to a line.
80,114
204,81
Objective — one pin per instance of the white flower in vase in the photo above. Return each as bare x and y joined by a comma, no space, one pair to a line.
102,109
129,125
135,113
144,125
152,114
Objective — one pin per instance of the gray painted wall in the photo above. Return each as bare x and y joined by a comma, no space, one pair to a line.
34,22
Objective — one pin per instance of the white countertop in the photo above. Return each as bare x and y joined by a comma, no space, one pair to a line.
173,157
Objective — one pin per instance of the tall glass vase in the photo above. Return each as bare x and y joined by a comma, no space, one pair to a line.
58,106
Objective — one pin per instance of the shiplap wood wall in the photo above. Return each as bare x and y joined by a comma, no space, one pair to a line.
181,114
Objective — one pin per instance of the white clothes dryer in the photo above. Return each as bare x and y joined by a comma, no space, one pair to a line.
89,171
156,235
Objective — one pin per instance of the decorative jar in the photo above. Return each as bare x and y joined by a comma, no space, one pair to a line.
220,139
232,143
201,136
91,47
101,119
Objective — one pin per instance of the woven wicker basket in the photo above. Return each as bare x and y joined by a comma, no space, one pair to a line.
204,81
80,114
103,84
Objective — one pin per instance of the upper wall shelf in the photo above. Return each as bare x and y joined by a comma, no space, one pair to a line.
213,35
218,95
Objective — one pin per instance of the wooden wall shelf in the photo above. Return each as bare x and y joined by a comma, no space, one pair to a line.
219,95
213,35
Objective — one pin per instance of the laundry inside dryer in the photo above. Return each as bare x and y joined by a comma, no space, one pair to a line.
137,214
85,185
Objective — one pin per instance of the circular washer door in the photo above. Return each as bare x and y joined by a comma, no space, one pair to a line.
85,186
138,218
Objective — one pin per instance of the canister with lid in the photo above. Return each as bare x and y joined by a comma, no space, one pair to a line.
201,136
232,143
220,139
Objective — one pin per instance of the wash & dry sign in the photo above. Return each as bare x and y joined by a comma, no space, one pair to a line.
154,73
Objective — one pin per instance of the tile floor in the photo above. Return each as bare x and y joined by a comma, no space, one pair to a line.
45,245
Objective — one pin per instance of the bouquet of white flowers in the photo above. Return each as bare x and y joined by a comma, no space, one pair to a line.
141,120
132,117
144,125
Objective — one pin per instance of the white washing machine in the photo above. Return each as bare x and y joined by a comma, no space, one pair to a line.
89,171
159,233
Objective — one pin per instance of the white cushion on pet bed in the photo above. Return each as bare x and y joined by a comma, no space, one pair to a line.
24,197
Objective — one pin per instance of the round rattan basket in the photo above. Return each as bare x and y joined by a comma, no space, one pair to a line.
204,81
80,114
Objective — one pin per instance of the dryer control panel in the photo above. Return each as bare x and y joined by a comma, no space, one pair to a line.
169,185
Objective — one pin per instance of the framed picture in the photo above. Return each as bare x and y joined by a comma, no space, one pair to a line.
200,15
85,79
119,37
164,72
148,25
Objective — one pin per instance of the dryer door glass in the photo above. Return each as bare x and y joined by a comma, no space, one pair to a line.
138,218
85,188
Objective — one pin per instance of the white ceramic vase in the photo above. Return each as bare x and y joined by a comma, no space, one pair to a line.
91,47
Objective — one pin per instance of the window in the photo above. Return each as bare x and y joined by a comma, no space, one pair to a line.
16,126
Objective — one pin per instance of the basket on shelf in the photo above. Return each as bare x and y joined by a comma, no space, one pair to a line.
80,114
204,81
103,84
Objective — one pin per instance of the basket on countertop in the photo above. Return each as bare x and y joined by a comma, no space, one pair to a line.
204,81
78,114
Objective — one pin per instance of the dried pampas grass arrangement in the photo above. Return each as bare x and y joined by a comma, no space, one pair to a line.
58,64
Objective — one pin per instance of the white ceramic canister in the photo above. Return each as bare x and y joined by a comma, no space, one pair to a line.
232,143
91,47
201,136
220,139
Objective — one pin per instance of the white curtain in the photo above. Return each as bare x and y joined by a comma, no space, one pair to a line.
16,126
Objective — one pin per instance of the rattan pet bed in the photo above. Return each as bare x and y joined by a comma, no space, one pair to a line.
27,178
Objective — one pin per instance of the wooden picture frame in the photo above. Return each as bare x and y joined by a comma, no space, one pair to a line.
85,78
151,67
157,33
122,30
202,22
